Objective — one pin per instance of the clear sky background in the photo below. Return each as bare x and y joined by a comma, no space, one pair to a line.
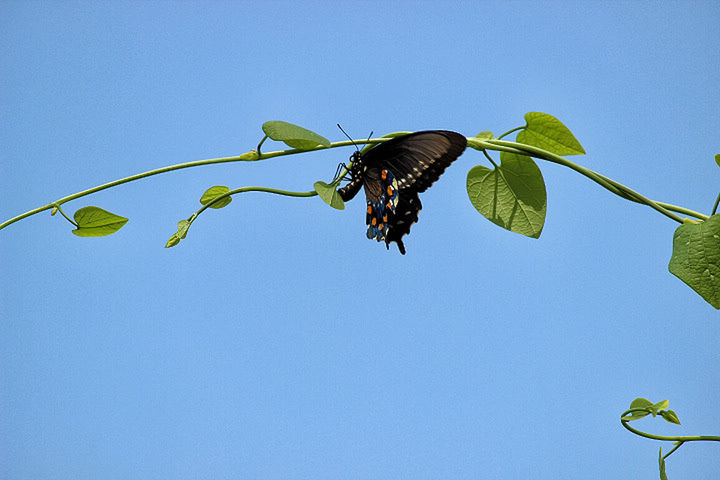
276,341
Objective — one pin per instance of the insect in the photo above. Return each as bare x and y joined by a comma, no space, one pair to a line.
393,173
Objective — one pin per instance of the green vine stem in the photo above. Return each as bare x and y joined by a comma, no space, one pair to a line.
495,144
691,438
615,187
230,193
251,156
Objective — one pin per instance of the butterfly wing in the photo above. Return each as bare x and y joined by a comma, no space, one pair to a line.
417,160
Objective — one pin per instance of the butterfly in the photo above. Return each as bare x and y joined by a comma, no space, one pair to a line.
393,173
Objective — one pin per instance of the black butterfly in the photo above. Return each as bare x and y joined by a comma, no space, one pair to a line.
393,173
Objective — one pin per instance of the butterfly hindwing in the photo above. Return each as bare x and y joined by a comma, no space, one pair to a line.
393,173
381,190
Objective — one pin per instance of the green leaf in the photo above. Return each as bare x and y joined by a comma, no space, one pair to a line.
661,405
512,195
641,403
293,135
485,135
183,226
696,258
670,416
548,133
172,241
96,222
212,193
717,159
329,195
638,403
54,211
661,463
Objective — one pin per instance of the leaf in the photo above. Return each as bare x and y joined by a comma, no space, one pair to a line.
717,159
512,195
329,195
183,227
54,211
661,463
172,241
696,258
547,132
214,192
96,222
641,403
485,135
638,403
661,405
293,135
670,416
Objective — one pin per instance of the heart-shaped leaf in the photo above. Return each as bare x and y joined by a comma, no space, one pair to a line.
329,195
293,135
96,222
696,258
212,193
548,133
512,195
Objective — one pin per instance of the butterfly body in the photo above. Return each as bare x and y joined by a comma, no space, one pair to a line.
393,173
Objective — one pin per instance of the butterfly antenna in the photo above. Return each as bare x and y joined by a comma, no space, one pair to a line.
348,136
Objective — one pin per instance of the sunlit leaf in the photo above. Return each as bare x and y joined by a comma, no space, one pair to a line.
172,241
96,222
512,195
548,133
293,135
212,193
329,195
696,258
485,135
670,416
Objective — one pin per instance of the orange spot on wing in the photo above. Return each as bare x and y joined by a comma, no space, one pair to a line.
384,174
374,221
369,209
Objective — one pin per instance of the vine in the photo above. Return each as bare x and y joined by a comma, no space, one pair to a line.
641,407
510,194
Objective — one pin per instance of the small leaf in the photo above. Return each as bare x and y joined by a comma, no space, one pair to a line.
661,463
638,403
670,416
696,258
212,193
547,132
293,135
661,405
183,227
641,403
172,241
54,211
512,195
717,159
329,195
485,135
635,416
96,222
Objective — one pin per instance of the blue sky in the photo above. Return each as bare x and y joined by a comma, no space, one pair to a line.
276,341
